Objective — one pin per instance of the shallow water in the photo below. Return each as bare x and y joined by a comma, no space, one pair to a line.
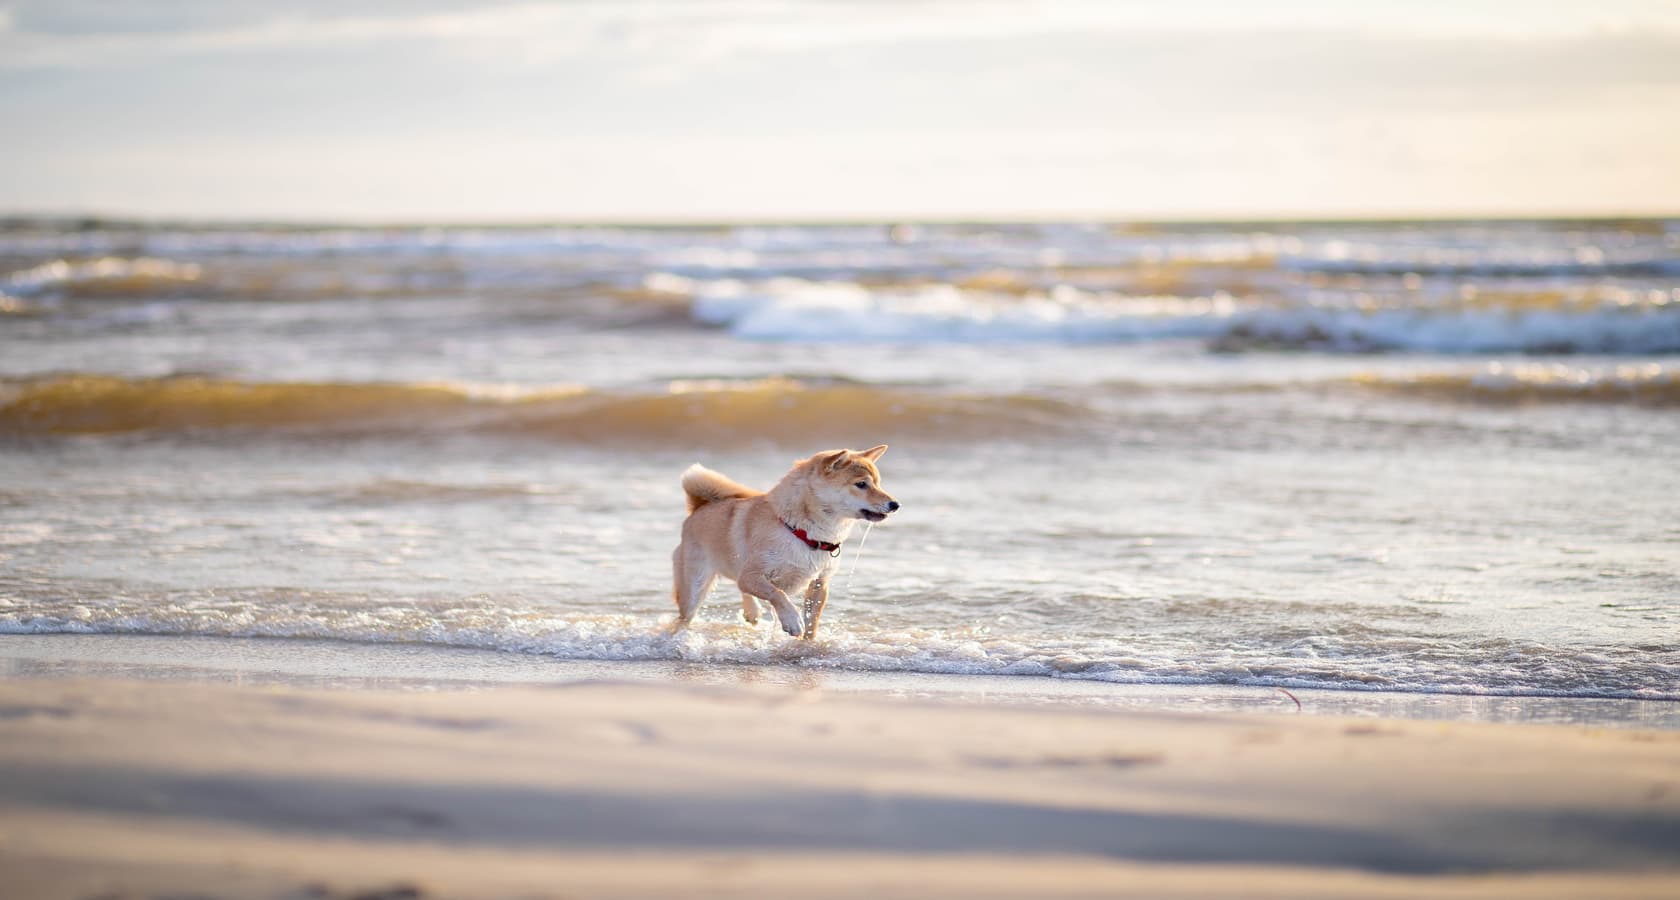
1400,458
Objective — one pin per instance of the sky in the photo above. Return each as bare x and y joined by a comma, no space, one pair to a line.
591,110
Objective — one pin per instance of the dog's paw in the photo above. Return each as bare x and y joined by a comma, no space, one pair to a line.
793,624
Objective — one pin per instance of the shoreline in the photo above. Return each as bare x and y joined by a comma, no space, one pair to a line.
595,789
311,663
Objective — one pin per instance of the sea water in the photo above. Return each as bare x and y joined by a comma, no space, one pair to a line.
1429,458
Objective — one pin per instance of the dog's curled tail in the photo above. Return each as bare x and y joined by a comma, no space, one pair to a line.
704,486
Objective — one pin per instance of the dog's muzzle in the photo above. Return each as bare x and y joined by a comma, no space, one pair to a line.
873,516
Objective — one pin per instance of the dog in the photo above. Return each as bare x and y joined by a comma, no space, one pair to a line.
779,543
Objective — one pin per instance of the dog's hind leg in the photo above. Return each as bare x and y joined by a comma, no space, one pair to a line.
749,608
691,581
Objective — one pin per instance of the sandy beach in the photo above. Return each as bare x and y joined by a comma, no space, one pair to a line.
137,788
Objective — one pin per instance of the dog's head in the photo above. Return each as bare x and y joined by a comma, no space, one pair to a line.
848,482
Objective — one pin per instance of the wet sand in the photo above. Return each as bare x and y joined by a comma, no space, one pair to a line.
606,789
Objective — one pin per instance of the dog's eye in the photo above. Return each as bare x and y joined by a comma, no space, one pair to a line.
863,484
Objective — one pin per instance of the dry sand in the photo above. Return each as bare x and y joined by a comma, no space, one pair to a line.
150,789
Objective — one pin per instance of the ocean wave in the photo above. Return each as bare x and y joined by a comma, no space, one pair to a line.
329,241
796,310
1644,384
803,311
103,404
699,247
1608,329
105,277
1484,666
711,412
723,412
290,278
1536,260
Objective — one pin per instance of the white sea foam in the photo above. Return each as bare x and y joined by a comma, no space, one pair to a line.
58,275
787,309
797,310
1493,667
1538,257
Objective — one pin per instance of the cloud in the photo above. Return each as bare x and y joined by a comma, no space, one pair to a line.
81,33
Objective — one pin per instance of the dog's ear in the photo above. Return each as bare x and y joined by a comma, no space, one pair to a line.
874,453
831,462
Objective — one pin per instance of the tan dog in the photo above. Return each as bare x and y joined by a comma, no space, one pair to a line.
778,544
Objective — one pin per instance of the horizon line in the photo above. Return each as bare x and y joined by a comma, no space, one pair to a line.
88,219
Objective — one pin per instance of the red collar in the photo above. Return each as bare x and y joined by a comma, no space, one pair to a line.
813,543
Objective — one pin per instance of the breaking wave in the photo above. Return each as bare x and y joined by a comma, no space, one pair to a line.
790,309
787,309
105,277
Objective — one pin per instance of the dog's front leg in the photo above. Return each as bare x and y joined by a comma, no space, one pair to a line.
759,585
816,597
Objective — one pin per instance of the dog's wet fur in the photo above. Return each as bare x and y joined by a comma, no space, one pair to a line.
747,536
